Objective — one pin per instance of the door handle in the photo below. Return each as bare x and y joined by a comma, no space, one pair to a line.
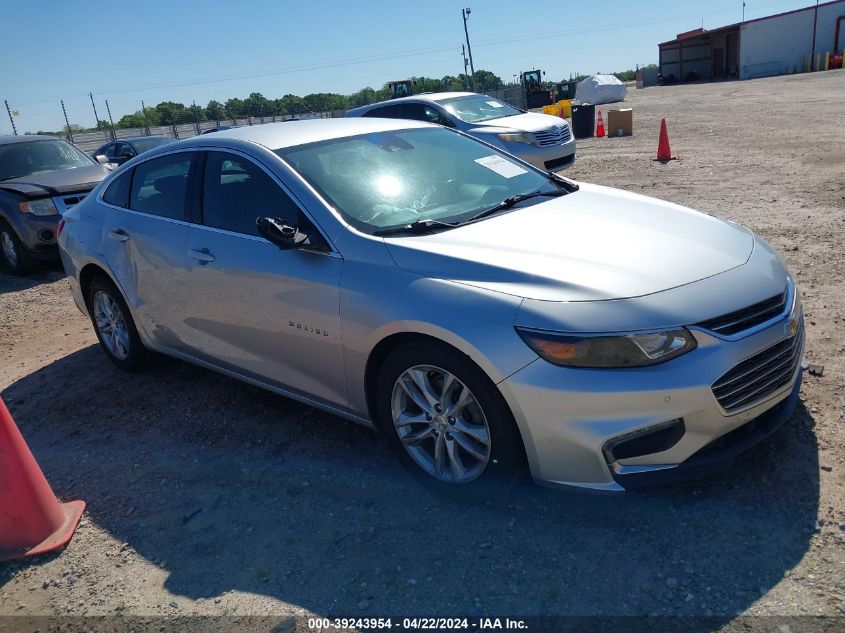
118,234
202,256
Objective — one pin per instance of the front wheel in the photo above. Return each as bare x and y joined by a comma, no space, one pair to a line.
13,252
448,423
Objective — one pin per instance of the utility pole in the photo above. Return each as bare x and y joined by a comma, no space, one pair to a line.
464,53
743,10
69,132
96,117
108,109
465,13
11,119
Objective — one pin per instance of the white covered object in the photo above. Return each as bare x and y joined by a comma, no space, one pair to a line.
598,89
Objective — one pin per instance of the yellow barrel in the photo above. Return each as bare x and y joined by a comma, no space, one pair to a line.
565,108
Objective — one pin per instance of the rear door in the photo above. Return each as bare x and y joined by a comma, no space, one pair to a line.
144,240
257,310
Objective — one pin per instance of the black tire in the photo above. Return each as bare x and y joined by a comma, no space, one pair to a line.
24,263
506,463
137,356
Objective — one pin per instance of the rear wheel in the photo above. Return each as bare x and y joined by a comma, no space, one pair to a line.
14,255
448,423
114,326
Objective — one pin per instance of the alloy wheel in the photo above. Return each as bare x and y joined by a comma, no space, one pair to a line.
441,424
111,325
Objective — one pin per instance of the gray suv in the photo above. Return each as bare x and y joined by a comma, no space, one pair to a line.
41,177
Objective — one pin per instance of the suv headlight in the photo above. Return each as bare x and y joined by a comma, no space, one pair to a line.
43,206
516,137
609,351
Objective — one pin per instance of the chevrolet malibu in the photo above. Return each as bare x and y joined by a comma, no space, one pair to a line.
485,316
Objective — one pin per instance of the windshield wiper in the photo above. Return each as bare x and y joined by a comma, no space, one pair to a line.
510,201
418,227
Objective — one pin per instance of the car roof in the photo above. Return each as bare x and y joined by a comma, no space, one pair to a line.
130,139
431,97
290,133
23,138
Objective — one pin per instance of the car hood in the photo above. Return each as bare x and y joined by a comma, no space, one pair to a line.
594,244
528,122
76,180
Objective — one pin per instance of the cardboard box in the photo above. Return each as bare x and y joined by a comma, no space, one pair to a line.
620,122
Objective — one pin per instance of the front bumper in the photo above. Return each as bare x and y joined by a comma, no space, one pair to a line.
551,157
38,233
568,416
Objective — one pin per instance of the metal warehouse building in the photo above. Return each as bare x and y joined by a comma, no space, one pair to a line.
795,41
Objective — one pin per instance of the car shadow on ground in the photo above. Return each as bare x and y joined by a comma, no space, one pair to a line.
47,272
228,487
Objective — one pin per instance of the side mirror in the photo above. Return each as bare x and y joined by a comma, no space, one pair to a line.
282,235
103,160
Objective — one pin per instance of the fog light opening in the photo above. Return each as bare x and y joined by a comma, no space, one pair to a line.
46,235
648,441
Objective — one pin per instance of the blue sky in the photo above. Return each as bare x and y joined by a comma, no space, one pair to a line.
184,51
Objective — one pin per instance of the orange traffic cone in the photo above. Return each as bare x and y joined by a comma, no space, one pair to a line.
663,152
32,521
600,127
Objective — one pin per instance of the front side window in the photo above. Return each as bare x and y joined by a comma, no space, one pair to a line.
388,112
160,186
236,192
477,108
390,179
31,158
109,151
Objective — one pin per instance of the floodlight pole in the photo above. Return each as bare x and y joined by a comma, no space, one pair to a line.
96,116
465,13
11,118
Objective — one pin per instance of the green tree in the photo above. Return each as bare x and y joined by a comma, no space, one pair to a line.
215,110
172,113
485,80
256,104
234,108
294,104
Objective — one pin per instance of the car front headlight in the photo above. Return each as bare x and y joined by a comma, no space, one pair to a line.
43,206
608,351
516,137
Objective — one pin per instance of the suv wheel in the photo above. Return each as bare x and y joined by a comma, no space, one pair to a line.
13,254
448,423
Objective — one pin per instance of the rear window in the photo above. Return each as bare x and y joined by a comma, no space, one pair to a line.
117,193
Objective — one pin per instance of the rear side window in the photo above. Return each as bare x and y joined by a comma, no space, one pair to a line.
387,112
160,186
117,193
236,192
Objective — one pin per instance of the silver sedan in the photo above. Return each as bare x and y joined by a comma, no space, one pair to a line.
487,317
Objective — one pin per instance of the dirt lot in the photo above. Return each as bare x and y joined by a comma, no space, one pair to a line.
207,496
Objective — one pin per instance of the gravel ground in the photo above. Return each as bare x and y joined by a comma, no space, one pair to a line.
208,497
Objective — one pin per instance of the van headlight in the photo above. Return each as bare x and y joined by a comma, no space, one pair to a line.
609,351
42,206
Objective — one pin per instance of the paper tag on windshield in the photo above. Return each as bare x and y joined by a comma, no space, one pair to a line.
495,104
501,166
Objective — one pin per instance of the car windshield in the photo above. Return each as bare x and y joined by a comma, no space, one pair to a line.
393,179
477,108
37,157
144,144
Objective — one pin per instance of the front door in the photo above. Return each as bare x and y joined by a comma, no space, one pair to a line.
257,310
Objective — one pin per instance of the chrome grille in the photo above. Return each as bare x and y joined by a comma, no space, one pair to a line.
65,203
554,136
746,318
758,377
